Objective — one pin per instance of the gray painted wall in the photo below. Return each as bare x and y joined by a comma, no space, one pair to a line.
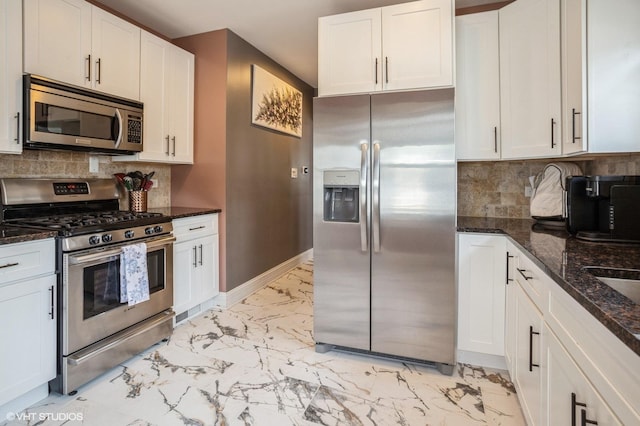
269,214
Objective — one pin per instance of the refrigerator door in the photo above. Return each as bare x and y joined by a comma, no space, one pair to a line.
341,127
413,225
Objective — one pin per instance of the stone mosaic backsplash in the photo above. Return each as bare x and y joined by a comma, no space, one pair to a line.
496,189
68,164
485,188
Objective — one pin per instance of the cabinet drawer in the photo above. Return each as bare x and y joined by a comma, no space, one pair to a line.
533,281
25,260
187,228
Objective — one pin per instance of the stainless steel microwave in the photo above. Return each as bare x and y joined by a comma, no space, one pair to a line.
61,116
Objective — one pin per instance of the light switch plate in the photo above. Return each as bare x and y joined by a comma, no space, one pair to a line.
294,173
94,164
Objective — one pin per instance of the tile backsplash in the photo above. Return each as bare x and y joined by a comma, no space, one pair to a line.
496,189
68,164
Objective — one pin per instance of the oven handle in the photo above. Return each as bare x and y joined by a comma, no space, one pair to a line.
76,260
113,341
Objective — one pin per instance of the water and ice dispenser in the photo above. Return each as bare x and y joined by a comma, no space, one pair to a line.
341,192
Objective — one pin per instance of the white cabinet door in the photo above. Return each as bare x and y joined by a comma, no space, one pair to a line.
154,69
613,73
116,55
349,49
28,349
574,113
184,256
570,396
528,376
57,40
208,267
477,87
417,45
77,43
481,293
181,98
530,91
166,89
10,76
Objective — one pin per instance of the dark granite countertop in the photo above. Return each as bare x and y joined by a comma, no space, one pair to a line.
10,235
176,212
562,257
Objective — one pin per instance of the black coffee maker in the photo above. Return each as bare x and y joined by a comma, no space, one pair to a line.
604,208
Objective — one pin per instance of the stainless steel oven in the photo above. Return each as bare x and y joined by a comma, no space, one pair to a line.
95,321
96,329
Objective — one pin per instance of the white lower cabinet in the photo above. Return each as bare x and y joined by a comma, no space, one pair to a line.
481,297
527,375
570,397
195,264
28,318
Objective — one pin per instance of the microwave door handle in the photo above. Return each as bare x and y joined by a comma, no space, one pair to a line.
118,117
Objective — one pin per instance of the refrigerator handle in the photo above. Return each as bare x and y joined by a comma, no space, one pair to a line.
375,210
364,157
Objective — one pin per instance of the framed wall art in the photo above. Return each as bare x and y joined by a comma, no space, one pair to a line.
275,104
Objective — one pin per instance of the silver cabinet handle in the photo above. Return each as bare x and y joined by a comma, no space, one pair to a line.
167,139
364,168
174,146
195,256
98,71
200,254
53,304
375,195
17,139
573,125
553,125
386,69
88,77
376,71
197,227
9,265
522,271
495,139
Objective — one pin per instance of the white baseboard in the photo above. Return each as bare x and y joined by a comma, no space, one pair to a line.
482,360
230,298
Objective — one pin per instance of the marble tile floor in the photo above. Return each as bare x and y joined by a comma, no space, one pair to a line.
255,364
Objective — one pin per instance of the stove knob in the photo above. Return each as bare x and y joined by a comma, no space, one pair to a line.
149,230
93,240
128,234
157,228
106,238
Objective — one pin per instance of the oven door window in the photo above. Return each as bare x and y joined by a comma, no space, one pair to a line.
102,283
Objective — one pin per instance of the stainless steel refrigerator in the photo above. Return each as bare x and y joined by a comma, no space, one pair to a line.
384,225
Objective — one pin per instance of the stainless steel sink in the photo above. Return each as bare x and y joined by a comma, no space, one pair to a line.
624,281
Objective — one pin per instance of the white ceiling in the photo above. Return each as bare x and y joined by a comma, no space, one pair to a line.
285,30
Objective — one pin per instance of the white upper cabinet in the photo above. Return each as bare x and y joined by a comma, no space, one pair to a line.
10,76
115,55
477,87
77,43
349,47
574,112
417,45
602,75
530,89
405,46
166,89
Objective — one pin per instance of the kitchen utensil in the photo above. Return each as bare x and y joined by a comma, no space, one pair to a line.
128,183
